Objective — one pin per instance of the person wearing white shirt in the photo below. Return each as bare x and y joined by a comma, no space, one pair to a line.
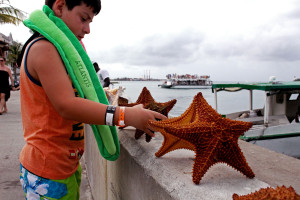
103,75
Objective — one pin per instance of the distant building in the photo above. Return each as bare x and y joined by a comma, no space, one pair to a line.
5,42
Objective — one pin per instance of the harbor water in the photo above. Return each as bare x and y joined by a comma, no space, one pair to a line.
227,102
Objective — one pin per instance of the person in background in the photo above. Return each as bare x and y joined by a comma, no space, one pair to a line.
5,74
53,114
103,75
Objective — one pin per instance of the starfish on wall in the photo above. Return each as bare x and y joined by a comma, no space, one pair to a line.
213,138
148,102
278,193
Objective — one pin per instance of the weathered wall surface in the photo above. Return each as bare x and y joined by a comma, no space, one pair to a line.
138,174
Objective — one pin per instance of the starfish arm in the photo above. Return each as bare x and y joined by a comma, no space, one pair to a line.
237,128
193,132
148,138
138,133
166,107
205,111
145,97
205,158
187,117
172,143
232,155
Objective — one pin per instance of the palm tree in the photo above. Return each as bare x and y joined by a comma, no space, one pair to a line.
14,52
10,14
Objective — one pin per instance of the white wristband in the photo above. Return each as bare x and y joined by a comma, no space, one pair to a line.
109,115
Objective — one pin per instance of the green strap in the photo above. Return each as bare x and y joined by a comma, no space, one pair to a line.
81,72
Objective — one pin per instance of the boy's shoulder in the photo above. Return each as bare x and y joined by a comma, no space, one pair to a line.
40,45
42,54
42,49
43,61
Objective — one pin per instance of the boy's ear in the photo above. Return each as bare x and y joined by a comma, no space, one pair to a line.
58,7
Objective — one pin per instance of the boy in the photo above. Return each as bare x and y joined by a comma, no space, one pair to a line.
51,112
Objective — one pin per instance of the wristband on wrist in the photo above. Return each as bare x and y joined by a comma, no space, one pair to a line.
121,122
109,115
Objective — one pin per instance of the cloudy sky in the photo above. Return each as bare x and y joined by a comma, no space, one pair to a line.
231,40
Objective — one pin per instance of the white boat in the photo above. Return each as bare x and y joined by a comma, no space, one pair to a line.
187,82
275,126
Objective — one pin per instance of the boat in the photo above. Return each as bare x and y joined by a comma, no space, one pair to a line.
187,81
276,125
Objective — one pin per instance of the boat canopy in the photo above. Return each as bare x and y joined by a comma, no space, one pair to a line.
293,85
270,89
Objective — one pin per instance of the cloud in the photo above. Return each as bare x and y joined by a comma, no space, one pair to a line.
260,48
276,41
295,12
248,47
157,50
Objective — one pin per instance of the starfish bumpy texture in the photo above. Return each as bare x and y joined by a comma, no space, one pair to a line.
270,194
213,138
148,102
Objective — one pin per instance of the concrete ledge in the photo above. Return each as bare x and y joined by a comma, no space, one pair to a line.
138,174
271,167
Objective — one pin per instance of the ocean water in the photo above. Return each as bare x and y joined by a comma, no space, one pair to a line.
228,102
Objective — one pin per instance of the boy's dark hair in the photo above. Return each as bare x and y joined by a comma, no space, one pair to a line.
96,66
95,4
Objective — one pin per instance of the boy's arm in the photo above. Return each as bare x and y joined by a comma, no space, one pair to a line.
45,65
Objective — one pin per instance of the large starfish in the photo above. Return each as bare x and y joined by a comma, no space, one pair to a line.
148,102
213,138
270,194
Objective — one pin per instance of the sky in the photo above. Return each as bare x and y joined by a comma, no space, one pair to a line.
230,40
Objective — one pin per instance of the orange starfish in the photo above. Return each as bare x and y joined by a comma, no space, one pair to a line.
148,102
213,138
270,194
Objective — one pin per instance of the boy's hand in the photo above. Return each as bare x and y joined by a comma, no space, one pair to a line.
138,117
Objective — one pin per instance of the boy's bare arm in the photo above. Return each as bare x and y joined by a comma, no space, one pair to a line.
45,65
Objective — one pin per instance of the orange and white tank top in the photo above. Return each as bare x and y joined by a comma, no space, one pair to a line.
54,145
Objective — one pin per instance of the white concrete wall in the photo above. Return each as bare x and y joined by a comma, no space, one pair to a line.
96,166
139,175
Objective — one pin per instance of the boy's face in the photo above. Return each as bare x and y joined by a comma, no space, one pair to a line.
78,19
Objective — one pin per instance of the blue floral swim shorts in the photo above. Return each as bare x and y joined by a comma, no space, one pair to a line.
37,188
